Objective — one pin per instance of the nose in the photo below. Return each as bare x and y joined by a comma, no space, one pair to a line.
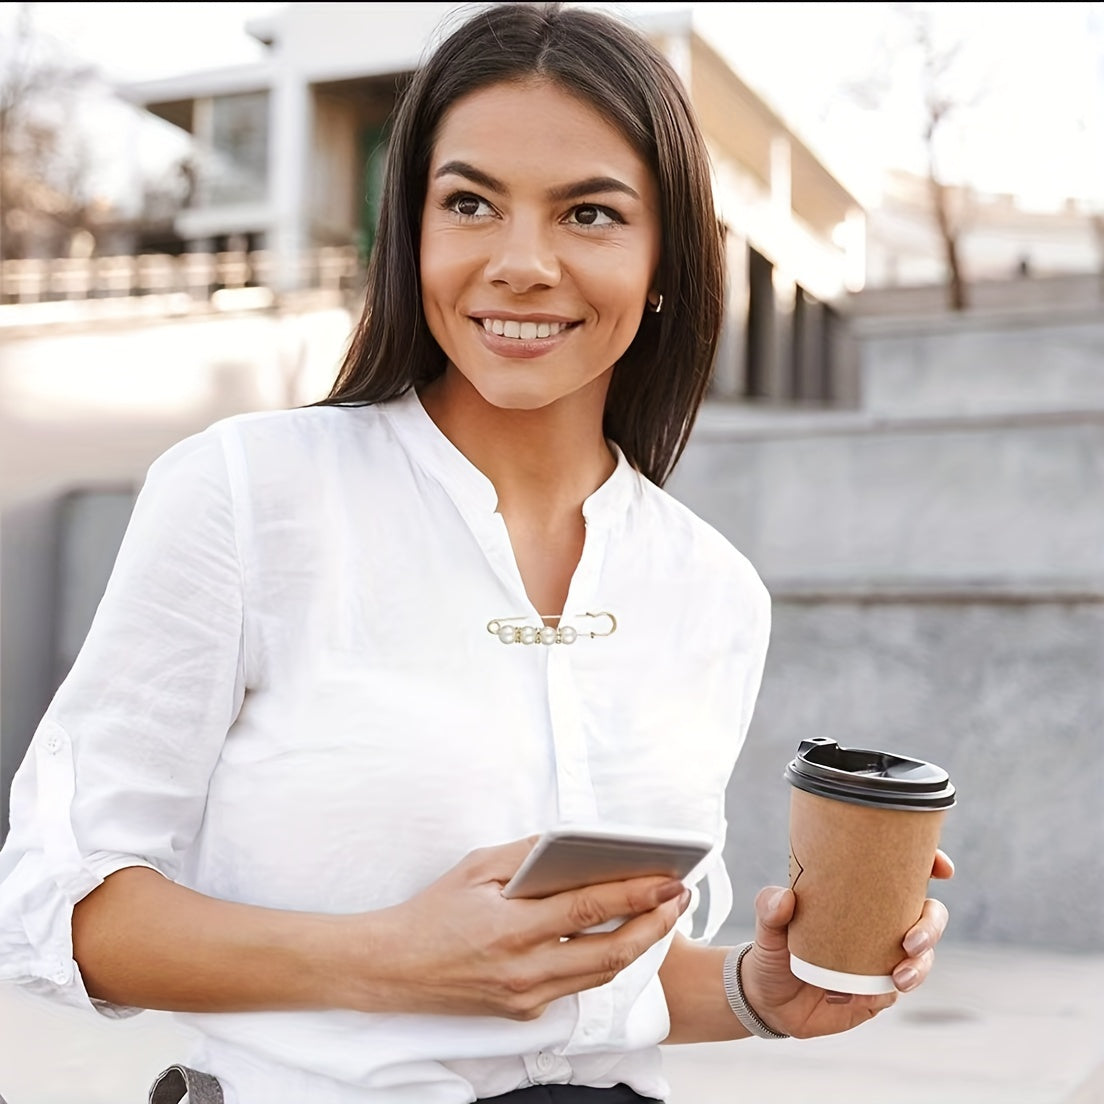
523,256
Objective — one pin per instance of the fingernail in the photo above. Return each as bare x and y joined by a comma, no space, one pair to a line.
916,942
669,890
831,997
684,900
777,899
905,978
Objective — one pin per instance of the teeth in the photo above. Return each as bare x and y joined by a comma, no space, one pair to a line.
526,331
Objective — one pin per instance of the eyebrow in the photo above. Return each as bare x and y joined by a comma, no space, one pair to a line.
593,185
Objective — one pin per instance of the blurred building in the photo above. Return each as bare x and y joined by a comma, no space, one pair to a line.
290,153
1001,236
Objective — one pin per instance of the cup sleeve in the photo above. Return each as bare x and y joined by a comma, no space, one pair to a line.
117,772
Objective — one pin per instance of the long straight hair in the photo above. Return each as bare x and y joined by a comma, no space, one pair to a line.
658,384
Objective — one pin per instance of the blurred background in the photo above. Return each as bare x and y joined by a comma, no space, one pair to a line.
905,429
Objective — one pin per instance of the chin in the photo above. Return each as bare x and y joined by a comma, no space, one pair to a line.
505,398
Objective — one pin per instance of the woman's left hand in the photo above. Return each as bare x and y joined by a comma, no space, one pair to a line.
790,1005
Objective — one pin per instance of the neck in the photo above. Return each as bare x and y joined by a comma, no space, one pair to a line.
550,459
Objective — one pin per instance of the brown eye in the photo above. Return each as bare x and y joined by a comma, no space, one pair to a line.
466,205
593,215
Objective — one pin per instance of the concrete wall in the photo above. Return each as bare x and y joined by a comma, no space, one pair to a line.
850,500
1034,297
995,362
938,585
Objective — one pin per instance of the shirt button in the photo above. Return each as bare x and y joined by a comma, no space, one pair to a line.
53,743
60,973
545,1061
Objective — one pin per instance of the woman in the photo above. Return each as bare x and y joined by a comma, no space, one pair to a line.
291,770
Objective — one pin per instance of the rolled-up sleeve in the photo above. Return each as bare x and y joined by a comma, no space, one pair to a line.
118,770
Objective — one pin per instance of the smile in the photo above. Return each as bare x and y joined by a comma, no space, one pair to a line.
525,331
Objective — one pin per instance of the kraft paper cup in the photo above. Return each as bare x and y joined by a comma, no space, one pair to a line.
864,829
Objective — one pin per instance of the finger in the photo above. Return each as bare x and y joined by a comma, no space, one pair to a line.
912,972
576,910
774,908
600,956
928,930
942,867
872,1005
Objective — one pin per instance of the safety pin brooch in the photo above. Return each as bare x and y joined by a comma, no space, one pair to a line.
546,634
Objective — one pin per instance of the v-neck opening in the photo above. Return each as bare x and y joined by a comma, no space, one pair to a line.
475,497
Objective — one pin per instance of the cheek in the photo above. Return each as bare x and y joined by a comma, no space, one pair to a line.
620,278
441,268
428,272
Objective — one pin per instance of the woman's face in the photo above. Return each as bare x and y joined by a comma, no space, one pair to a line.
539,245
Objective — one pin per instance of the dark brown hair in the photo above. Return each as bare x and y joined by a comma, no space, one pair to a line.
659,383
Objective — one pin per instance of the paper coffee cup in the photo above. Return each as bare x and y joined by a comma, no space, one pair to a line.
864,829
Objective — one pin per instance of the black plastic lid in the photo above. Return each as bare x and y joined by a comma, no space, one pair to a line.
865,777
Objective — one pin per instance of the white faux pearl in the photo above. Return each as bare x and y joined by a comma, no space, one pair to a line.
538,634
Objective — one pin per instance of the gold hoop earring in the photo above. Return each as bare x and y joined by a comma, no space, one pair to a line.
656,307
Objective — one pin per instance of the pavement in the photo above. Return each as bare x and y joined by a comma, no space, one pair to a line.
992,1025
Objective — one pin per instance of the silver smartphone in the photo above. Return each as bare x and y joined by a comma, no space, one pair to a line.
572,856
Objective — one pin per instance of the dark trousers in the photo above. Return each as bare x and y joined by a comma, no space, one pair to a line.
571,1094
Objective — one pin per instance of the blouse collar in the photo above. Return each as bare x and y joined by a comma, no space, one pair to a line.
421,436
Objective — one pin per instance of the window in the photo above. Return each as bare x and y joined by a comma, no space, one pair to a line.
238,170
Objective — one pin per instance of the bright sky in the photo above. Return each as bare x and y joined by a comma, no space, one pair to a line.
1036,68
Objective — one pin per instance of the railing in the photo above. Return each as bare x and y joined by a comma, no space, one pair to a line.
197,275
778,356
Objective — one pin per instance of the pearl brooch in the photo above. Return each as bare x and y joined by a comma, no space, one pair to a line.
546,634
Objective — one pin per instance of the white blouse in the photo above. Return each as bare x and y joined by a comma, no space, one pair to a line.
289,697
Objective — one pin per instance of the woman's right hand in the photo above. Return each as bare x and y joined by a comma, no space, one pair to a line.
460,947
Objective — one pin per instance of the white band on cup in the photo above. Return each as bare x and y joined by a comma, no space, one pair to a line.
862,984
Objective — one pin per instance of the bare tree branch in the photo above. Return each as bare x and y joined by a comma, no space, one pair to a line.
44,163
941,101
